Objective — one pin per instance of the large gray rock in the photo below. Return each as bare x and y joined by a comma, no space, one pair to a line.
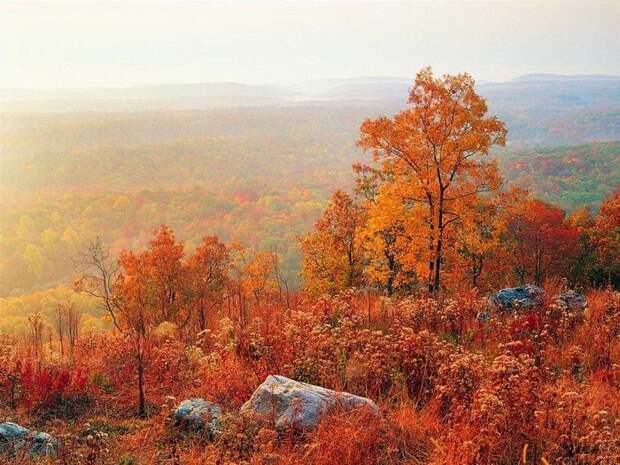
14,437
572,300
529,297
513,298
300,405
196,414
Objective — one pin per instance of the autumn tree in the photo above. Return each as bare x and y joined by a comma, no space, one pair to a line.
139,291
59,323
151,286
37,329
437,151
332,254
207,273
606,236
260,275
388,242
584,264
477,240
73,319
538,241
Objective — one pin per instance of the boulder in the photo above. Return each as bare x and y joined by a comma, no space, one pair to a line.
529,296
197,414
300,405
513,298
14,437
572,300
43,445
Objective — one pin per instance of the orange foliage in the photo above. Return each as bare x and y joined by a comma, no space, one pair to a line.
535,386
540,244
435,156
333,257
452,390
607,237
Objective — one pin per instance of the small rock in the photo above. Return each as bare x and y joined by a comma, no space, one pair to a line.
43,445
300,405
14,437
572,300
512,298
197,413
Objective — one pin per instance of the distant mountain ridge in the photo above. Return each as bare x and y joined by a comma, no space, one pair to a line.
150,97
538,108
536,77
155,90
390,90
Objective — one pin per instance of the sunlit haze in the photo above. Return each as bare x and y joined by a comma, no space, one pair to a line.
63,44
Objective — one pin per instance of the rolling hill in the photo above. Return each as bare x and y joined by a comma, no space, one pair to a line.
258,175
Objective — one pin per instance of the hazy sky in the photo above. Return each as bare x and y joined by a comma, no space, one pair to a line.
76,43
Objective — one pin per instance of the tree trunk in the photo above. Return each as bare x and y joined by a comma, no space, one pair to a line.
391,276
141,401
202,321
438,252
431,247
476,269
474,274
351,275
438,226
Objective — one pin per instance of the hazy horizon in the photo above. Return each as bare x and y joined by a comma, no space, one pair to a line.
67,44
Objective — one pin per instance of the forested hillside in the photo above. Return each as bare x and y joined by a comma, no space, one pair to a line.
446,316
178,150
259,176
568,176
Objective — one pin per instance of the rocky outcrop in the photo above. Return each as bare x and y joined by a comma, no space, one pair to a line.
513,298
14,438
198,414
292,404
530,297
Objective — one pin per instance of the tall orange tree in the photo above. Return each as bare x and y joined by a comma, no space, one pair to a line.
438,151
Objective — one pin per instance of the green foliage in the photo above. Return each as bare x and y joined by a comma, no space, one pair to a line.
568,176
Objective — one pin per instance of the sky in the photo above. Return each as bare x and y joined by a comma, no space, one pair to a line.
84,43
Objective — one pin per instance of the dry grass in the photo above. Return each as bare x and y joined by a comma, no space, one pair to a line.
452,390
